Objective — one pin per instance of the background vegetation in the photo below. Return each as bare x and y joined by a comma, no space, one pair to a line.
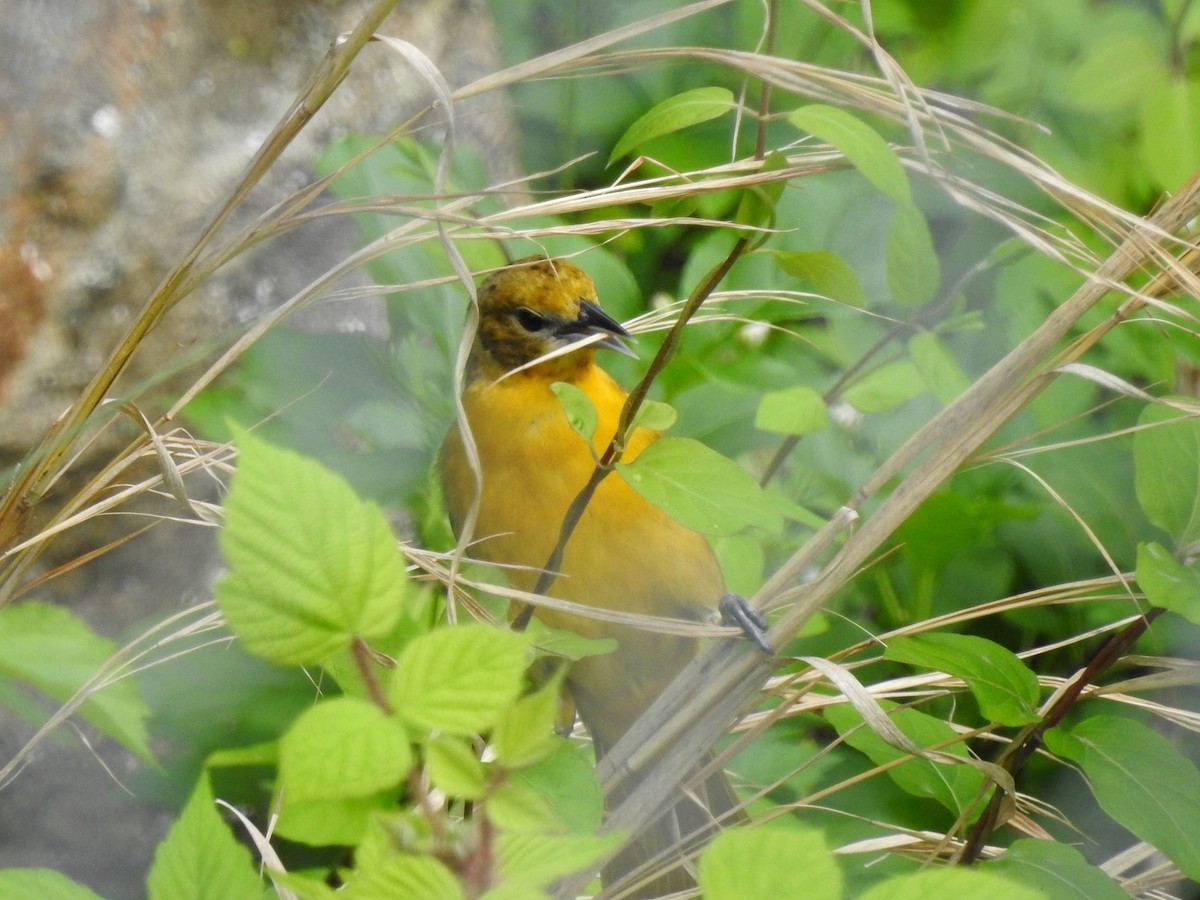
955,348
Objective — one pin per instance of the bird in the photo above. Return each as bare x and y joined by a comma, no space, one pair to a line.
624,554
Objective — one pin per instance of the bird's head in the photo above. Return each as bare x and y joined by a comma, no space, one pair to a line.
536,306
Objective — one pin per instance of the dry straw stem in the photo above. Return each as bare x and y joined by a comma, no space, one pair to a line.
699,705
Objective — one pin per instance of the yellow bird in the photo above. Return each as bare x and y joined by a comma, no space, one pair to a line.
625,554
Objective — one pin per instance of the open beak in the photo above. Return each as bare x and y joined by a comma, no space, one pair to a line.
593,320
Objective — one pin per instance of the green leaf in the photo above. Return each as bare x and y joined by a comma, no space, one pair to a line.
1166,468
769,861
1168,583
655,415
886,387
454,768
539,859
1055,869
859,143
311,565
938,368
951,883
581,412
1169,137
954,786
525,731
324,823
1140,780
516,807
342,748
756,205
674,114
49,648
1114,72
913,271
827,272
459,680
410,877
566,782
794,410
699,487
200,858
1007,691
41,884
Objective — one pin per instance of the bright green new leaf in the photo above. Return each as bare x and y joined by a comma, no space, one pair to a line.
794,410
41,884
950,883
699,487
322,823
1166,470
458,680
859,143
769,861
1057,870
1140,780
517,808
311,564
200,859
938,368
524,732
581,412
1006,690
539,859
953,786
566,782
886,387
828,273
1167,582
674,114
51,649
655,415
913,270
454,768
342,748
410,877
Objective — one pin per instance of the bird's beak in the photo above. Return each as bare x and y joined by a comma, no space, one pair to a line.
593,320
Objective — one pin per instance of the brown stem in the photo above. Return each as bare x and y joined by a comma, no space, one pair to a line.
366,670
1025,746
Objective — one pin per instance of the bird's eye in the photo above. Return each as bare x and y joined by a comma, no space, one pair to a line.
529,320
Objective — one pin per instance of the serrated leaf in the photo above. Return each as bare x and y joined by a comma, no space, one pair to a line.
655,415
1006,690
566,782
769,861
51,649
954,786
517,808
827,272
459,679
699,487
410,877
322,823
950,883
1055,869
200,859
795,410
859,143
539,859
453,767
886,387
311,565
1166,468
342,748
524,732
938,368
1167,582
913,270
1140,780
41,884
581,412
674,114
